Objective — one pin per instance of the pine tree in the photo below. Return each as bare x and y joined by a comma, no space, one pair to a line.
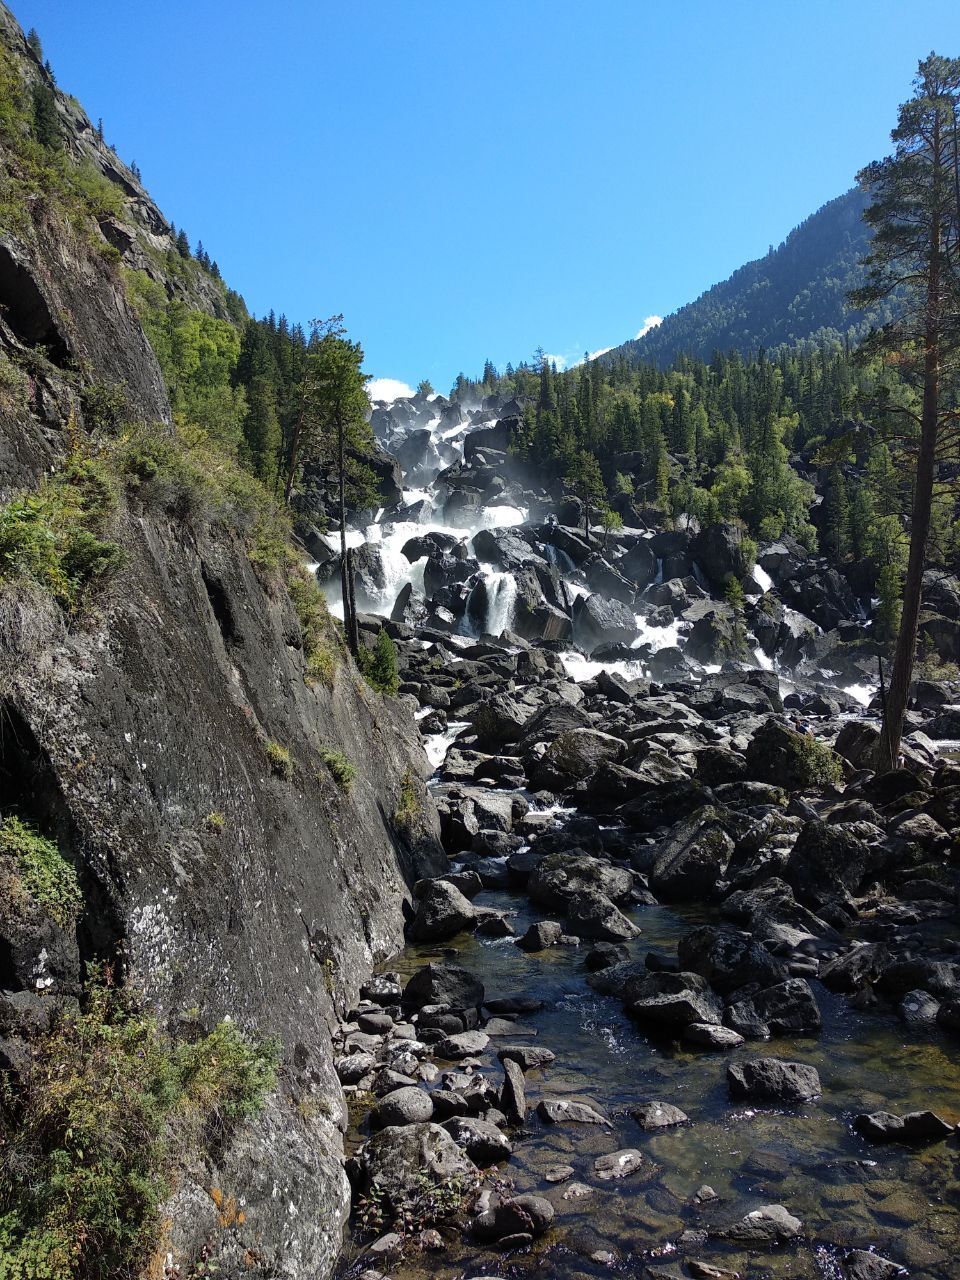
46,121
33,40
183,244
915,216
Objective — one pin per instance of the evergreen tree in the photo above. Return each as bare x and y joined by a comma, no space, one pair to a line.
46,121
183,244
915,216
33,40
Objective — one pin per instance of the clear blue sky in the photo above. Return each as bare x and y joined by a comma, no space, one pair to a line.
473,178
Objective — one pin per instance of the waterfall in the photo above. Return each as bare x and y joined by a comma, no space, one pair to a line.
501,598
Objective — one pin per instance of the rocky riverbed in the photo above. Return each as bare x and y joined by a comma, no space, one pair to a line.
687,1001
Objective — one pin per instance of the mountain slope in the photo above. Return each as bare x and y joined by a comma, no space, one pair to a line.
794,293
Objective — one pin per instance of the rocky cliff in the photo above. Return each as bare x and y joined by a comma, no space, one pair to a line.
167,739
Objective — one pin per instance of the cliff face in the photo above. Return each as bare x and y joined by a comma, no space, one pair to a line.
138,736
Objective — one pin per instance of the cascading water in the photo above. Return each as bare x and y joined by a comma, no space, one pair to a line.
501,598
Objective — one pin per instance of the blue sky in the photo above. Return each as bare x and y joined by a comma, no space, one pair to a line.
474,178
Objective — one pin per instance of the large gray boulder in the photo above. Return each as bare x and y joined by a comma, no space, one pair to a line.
719,551
597,620
574,757
443,984
773,1080
401,1166
442,913
728,958
692,859
559,877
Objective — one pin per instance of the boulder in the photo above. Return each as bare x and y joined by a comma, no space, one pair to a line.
540,936
659,1115
590,914
441,914
728,958
773,1080
763,1227
568,1111
559,877
788,1009
408,1105
445,984
915,1126
482,1141
400,1163
794,761
597,620
719,551
692,859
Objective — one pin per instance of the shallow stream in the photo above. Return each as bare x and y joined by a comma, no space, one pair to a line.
903,1202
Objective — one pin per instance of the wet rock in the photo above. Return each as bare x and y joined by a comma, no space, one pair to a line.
605,954
590,914
829,861
573,757
442,913
352,1068
483,1142
658,1115
498,721
577,1191
383,988
674,1011
540,936
705,1035
513,1093
464,1044
915,1126
408,1105
519,1219
398,1163
558,1172
446,984
559,877
618,1164
773,1080
692,859
859,1264
565,1111
728,958
494,926
918,1009
597,620
788,1009
527,1056
772,1224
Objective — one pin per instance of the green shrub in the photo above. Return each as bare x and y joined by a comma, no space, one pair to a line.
87,1145
409,808
54,536
316,626
280,761
341,767
379,665
42,871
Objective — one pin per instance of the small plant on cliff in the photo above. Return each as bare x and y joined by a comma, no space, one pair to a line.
215,821
87,1141
379,665
279,759
341,767
42,871
54,536
408,809
316,625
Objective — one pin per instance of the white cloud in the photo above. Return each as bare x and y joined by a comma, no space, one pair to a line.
388,389
559,361
601,351
651,322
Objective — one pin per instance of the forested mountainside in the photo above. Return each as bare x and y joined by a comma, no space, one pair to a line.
795,293
209,822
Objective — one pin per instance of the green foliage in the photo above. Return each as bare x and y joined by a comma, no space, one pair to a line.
279,759
814,763
53,537
321,646
379,665
215,821
409,808
738,630
87,1145
341,767
42,871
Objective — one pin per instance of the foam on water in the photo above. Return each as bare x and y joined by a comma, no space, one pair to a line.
762,578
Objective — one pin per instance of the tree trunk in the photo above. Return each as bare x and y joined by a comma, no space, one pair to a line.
346,568
295,443
901,675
